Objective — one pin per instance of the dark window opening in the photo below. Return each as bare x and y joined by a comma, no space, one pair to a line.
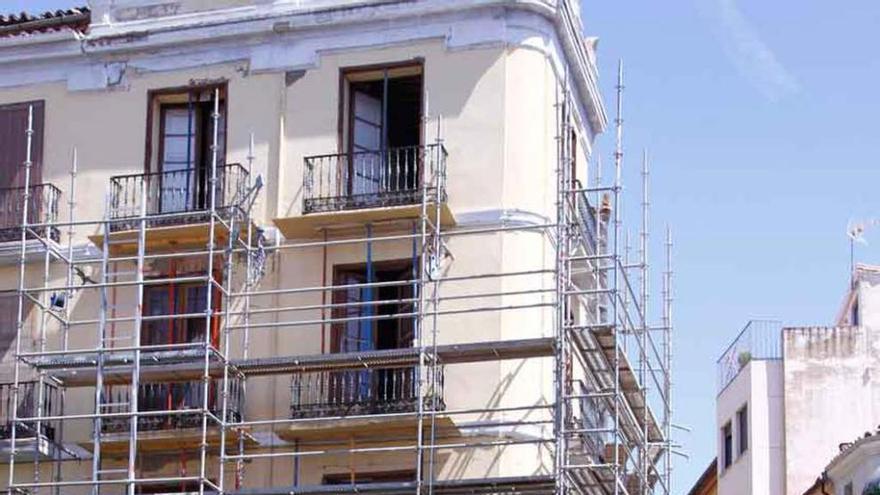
183,134
366,318
727,445
373,324
178,299
14,146
384,128
854,317
742,426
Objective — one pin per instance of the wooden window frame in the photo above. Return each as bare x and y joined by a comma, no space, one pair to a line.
345,112
154,95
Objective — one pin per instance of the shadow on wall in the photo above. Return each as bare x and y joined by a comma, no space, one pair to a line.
446,98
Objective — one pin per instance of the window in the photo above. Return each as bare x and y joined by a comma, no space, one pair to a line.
179,145
727,445
371,327
379,333
189,299
848,489
742,429
13,143
381,127
854,317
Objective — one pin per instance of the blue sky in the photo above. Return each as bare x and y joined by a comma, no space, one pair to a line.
762,123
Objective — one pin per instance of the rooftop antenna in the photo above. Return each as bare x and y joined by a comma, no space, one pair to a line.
855,230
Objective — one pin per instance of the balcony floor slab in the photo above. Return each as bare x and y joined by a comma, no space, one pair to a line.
311,225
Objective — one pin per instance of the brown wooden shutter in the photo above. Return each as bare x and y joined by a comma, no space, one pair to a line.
13,144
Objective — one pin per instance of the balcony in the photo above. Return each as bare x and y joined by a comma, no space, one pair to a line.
42,208
360,393
28,397
370,186
758,340
176,203
172,416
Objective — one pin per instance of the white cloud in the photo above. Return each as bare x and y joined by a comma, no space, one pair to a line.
753,58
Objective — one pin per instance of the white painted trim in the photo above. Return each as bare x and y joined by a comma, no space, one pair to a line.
287,36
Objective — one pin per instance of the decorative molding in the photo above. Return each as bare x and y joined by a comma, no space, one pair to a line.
285,36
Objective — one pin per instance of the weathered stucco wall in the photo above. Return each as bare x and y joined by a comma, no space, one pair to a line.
832,395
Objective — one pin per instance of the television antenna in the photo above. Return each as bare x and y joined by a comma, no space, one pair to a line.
855,230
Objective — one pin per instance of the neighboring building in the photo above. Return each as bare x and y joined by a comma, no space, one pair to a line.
789,396
317,246
855,470
707,484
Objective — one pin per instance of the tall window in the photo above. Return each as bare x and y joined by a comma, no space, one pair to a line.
373,324
13,153
182,133
188,299
742,427
727,445
382,116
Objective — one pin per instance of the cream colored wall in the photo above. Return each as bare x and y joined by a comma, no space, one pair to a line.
499,127
465,89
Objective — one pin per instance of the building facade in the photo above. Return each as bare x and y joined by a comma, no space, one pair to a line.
318,247
790,396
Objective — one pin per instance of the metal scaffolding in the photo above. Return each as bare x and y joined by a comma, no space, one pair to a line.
594,430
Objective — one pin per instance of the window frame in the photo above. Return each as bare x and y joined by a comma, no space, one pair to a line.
727,458
345,120
155,122
742,431
37,140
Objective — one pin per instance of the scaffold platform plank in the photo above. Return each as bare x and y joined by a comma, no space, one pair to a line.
80,371
526,485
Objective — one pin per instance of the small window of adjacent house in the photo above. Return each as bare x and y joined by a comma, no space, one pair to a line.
727,445
742,427
848,489
854,318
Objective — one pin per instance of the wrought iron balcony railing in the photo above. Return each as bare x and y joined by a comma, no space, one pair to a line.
28,400
175,197
358,392
42,205
373,179
176,397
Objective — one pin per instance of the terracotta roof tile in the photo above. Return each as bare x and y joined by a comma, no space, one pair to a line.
23,23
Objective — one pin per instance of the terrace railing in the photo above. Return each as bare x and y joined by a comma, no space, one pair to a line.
42,205
28,400
175,197
177,397
373,179
758,340
357,392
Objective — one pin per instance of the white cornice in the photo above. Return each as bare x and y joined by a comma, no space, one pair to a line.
285,36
